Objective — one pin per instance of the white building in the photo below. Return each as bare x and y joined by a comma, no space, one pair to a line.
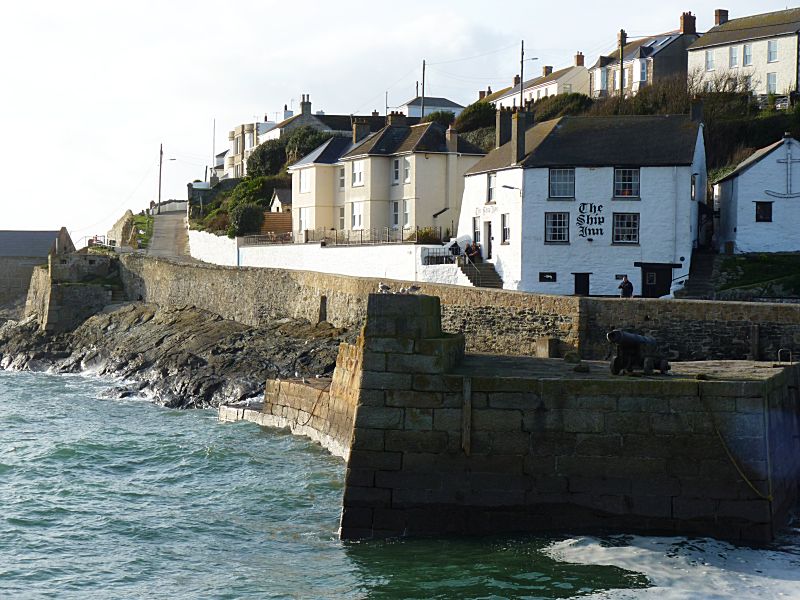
574,79
575,203
759,202
413,108
760,49
645,60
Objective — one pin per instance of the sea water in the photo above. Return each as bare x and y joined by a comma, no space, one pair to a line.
105,498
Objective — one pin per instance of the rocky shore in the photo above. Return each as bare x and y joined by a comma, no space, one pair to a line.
179,357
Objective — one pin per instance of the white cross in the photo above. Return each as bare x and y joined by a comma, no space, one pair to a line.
788,162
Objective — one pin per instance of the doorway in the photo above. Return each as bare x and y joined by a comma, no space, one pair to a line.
487,244
656,279
581,284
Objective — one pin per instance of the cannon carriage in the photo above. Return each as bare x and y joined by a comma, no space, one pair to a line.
635,352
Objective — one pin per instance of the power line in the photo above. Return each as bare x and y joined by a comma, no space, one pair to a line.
498,50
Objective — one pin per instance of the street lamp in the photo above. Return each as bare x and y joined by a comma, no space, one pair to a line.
522,60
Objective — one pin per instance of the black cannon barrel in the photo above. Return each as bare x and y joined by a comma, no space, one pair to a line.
625,338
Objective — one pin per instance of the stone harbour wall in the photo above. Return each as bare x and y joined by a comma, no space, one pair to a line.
15,276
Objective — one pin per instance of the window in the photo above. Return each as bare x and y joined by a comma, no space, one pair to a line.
709,60
556,228
305,180
603,79
357,218
302,219
694,186
643,71
733,57
358,173
341,178
562,183
626,183
406,170
772,51
616,80
396,171
476,229
249,140
763,212
547,277
406,214
747,55
772,83
626,228
506,227
748,82
567,88
395,216
491,182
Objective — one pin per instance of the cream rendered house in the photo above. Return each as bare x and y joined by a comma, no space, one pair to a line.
760,49
385,184
571,80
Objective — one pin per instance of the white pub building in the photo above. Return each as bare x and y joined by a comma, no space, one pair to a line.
573,204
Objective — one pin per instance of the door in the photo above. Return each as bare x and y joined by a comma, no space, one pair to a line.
581,284
487,244
656,280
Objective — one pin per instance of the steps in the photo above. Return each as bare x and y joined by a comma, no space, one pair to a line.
700,284
117,296
482,274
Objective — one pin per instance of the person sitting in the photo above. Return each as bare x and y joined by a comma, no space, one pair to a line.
474,252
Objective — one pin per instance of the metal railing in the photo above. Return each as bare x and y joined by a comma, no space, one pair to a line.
374,236
267,239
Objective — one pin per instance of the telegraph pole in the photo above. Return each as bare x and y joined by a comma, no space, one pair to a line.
521,69
422,114
160,163
623,39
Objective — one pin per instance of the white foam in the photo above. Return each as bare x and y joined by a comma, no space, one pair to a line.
682,568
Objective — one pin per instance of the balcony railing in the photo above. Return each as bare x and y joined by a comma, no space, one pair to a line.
380,235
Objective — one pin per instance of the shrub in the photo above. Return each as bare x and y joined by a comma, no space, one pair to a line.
245,219
443,117
476,115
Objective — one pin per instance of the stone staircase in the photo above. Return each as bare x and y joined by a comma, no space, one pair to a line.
117,296
700,284
482,274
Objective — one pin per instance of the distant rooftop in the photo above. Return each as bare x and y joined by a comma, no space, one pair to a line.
27,243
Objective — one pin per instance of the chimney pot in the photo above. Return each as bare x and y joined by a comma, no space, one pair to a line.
489,90
396,118
579,59
720,16
688,23
305,104
516,79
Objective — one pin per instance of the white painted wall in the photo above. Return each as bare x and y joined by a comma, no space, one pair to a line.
737,205
785,67
210,248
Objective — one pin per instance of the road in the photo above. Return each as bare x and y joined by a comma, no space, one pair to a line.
170,237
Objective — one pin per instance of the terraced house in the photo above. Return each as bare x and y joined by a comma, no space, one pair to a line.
760,51
572,79
402,178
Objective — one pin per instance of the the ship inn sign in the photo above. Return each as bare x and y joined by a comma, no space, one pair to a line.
590,220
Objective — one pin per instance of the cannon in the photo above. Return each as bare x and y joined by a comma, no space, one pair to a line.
635,351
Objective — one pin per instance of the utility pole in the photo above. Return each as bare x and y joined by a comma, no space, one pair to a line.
521,69
386,104
422,114
160,163
623,39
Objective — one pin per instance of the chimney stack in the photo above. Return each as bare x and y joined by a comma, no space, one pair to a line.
305,105
579,59
688,24
396,118
360,129
286,112
516,79
502,132
451,137
518,122
547,70
375,113
720,16
481,94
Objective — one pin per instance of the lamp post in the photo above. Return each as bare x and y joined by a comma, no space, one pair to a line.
522,60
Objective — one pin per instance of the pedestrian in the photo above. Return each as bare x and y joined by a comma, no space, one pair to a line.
625,288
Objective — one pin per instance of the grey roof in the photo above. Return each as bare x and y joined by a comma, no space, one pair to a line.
327,153
432,101
398,139
27,243
636,141
282,195
765,25
342,122
538,81
753,159
641,48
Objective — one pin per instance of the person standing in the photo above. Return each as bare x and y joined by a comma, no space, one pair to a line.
625,288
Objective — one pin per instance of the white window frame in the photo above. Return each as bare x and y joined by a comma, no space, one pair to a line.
505,228
625,228
603,79
476,229
406,213
562,183
249,140
357,216
709,60
342,178
772,51
406,169
302,218
772,86
341,217
491,184
556,228
625,177
357,179
305,181
395,216
643,71
395,171
747,55
733,57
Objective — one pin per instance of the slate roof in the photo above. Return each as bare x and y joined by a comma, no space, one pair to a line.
752,159
765,25
282,195
498,94
637,141
327,153
537,81
432,101
344,122
27,243
641,48
399,139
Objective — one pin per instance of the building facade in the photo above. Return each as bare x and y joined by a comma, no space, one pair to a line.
574,79
413,108
573,204
759,52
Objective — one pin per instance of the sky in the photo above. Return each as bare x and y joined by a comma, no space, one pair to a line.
90,89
